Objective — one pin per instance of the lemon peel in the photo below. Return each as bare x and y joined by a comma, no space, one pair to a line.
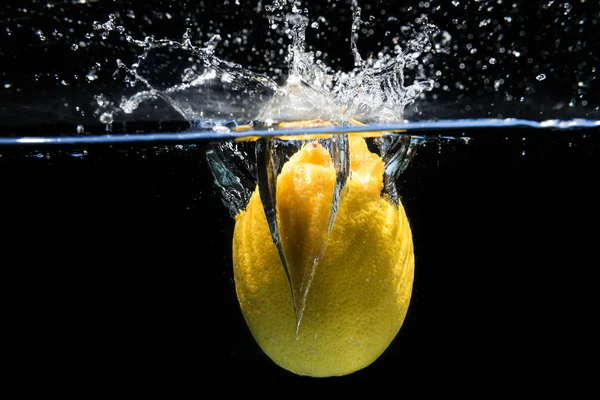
361,288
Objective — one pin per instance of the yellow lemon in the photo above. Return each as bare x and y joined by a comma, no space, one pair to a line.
362,284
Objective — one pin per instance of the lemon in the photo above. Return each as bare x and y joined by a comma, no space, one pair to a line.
362,284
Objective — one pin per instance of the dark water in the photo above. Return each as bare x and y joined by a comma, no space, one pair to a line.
117,267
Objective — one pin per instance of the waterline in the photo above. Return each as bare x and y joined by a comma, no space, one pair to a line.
222,132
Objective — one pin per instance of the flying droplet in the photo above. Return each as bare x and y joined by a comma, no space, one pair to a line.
106,118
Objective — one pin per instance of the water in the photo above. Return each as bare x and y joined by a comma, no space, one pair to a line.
239,168
122,252
118,215
226,131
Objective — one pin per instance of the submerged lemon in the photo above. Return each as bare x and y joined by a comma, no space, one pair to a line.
362,284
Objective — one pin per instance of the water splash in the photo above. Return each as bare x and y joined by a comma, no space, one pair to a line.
190,79
371,92
268,168
198,85
397,152
233,165
374,91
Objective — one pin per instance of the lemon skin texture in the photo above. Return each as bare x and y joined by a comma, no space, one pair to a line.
361,287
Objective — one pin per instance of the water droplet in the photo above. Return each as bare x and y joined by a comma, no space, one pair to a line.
106,118
101,100
7,85
314,25
91,76
80,129
74,47
41,35
188,75
492,61
455,3
541,77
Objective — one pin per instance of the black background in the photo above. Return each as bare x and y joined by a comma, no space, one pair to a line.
117,269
